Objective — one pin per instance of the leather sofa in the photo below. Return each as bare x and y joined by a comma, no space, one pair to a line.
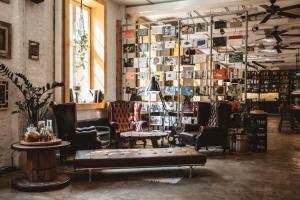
213,121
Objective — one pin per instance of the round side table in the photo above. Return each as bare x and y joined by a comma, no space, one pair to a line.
41,174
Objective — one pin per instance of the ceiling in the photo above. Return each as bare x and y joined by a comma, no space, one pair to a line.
155,10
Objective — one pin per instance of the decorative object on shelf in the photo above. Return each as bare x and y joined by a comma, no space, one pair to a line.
3,95
5,40
33,50
36,99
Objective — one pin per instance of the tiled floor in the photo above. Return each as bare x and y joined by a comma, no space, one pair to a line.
271,175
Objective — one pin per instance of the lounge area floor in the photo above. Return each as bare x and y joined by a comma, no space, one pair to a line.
272,175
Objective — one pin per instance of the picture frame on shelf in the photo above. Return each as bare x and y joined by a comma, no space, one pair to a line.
220,24
5,40
157,46
219,42
235,57
156,30
143,47
169,31
186,43
201,43
171,75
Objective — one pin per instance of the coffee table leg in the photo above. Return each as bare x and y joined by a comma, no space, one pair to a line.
154,143
131,143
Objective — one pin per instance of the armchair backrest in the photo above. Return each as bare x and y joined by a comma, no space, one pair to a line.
124,112
204,114
66,120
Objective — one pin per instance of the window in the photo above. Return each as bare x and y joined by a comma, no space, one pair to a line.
84,50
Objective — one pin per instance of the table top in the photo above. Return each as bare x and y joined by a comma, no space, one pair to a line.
21,147
140,134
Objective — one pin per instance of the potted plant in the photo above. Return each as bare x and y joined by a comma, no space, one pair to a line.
34,105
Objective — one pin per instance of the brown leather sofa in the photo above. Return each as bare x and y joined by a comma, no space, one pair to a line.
203,134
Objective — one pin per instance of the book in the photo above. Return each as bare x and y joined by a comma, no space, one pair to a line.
156,30
220,24
156,120
199,58
129,33
187,29
201,43
219,41
188,74
169,31
186,43
201,27
170,44
142,32
128,62
186,60
157,46
171,75
143,75
187,91
219,57
129,48
157,60
143,62
170,60
200,74
143,47
130,75
170,90
235,57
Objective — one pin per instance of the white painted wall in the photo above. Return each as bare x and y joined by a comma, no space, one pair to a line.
35,22
29,22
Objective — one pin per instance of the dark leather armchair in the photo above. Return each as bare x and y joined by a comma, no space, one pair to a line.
211,128
66,122
125,116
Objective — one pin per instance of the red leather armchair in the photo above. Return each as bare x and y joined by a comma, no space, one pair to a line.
125,116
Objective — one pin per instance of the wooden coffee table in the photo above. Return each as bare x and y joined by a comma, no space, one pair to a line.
41,174
133,136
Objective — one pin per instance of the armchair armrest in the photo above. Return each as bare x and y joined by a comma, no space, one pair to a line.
191,128
114,126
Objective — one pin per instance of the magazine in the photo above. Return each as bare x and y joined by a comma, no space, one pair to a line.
130,75
142,32
143,75
129,33
200,74
187,29
156,120
219,57
201,43
143,62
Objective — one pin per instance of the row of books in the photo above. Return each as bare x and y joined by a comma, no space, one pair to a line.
169,30
169,75
171,120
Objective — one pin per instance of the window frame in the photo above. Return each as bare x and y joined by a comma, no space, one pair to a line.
90,4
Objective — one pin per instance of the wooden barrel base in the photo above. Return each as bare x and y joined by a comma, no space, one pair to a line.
23,184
